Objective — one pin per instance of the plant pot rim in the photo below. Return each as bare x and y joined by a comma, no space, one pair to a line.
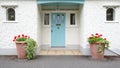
20,42
97,43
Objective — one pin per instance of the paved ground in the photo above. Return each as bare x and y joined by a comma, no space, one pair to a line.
59,62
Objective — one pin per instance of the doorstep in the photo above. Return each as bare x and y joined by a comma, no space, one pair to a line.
60,52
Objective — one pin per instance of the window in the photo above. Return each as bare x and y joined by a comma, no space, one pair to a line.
10,14
72,19
110,14
46,19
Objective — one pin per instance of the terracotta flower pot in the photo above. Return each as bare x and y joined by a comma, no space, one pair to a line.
95,53
21,49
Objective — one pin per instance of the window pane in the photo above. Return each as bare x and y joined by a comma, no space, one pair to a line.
46,19
110,14
72,19
10,14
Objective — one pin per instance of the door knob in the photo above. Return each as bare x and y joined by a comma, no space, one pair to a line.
51,30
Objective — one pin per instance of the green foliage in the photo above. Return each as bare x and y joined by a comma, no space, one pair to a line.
21,39
99,48
31,48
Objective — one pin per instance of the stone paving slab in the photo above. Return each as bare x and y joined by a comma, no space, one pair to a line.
60,52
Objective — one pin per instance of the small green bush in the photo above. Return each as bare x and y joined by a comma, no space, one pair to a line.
31,48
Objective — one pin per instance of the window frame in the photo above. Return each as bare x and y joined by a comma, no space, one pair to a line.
7,6
76,20
112,16
7,14
43,18
71,19
115,16
48,22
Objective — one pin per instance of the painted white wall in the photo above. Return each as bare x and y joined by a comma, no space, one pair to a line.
39,28
26,23
94,21
29,21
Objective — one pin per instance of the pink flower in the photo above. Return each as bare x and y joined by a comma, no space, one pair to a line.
104,38
14,40
96,34
23,35
18,36
101,35
15,37
92,34
28,36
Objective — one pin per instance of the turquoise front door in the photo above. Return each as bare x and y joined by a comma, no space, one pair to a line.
58,30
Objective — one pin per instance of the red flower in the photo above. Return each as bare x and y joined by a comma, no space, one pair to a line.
101,35
104,38
18,35
15,37
23,35
14,40
96,34
92,34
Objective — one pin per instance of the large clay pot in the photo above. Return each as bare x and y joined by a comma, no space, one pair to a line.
95,53
21,49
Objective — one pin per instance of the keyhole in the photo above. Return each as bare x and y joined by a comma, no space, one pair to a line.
58,27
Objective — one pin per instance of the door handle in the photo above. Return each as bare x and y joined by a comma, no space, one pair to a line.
51,30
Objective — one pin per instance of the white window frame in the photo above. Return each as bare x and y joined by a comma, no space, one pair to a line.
6,7
7,14
43,16
114,8
76,19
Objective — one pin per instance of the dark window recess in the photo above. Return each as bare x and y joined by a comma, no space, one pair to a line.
10,14
46,19
110,14
72,19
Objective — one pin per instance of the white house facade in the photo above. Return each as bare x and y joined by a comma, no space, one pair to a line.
59,24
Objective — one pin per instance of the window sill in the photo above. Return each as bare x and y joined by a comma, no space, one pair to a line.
111,22
10,22
46,26
72,26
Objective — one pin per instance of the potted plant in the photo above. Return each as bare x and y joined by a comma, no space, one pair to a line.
26,46
97,45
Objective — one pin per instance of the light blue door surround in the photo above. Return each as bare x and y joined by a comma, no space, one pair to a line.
58,30
60,1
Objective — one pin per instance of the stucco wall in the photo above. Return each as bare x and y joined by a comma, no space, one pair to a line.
94,21
26,23
29,21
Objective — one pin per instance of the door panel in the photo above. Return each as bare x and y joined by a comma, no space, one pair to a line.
58,30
